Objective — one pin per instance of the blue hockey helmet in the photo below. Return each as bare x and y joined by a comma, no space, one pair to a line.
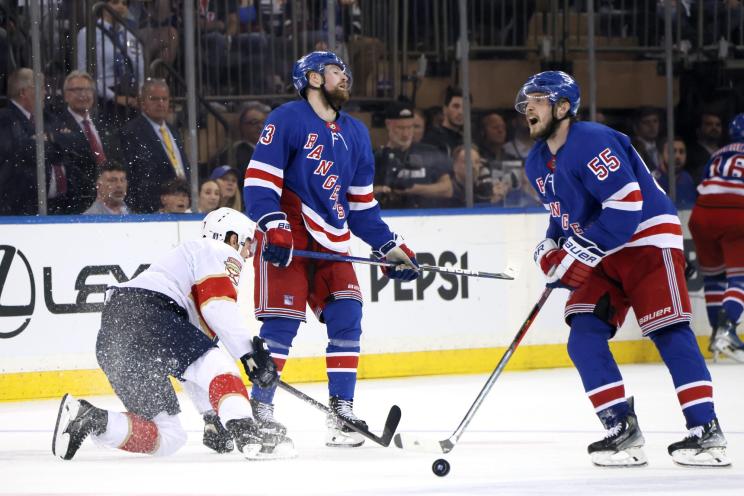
555,85
736,128
315,61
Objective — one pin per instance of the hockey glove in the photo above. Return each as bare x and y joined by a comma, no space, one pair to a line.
277,246
396,251
569,266
259,365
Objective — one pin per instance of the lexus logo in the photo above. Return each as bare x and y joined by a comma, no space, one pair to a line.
8,255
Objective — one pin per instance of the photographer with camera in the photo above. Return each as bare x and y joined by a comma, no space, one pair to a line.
485,189
408,174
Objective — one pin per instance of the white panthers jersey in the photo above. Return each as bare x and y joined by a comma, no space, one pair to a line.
202,276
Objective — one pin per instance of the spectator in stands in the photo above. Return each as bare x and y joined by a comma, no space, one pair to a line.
157,27
519,146
485,189
151,148
78,133
209,196
448,136
227,177
419,125
111,190
646,132
120,64
492,139
708,133
250,124
408,174
18,181
174,196
684,184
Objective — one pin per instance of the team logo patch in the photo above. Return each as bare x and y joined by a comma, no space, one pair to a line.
288,299
233,268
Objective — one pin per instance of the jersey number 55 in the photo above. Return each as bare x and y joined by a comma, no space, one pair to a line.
603,164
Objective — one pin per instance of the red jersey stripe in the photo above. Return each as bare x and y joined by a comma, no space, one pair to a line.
695,393
658,229
342,362
333,237
610,394
633,196
360,198
260,174
217,286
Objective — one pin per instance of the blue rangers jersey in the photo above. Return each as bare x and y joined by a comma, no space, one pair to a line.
328,165
723,184
598,187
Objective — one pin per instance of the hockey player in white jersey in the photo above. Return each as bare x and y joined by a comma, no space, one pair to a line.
165,322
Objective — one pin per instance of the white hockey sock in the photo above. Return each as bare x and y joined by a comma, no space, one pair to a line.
234,406
117,430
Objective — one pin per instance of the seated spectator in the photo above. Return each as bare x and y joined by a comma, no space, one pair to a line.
419,125
646,133
151,148
709,133
250,125
209,196
448,136
157,20
111,190
492,138
227,177
684,184
18,180
519,146
120,64
485,189
174,197
407,174
78,133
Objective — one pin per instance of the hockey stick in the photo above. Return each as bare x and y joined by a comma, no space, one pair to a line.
393,418
508,274
412,442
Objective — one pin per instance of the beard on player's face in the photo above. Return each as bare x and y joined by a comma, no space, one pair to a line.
541,127
338,96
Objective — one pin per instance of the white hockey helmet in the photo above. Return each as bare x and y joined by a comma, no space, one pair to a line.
218,223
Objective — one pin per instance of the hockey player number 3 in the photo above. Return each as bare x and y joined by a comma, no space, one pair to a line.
603,164
268,134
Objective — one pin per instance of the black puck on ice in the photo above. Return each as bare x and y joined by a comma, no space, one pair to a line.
440,467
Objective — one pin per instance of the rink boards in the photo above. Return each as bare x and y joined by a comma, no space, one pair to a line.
53,275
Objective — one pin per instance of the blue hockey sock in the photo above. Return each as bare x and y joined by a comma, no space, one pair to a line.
278,332
714,287
590,352
681,354
733,298
343,319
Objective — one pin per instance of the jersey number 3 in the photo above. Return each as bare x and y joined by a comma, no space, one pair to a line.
603,164
267,135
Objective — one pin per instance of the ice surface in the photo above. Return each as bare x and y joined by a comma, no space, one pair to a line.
529,437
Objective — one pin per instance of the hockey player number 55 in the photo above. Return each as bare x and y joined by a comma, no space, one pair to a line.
603,164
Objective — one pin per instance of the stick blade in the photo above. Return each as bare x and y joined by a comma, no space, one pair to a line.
391,424
413,442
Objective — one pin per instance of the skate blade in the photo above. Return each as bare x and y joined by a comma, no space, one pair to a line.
340,439
259,452
630,457
68,410
734,354
711,457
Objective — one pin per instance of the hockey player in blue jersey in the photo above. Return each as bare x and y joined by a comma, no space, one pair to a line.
309,186
615,241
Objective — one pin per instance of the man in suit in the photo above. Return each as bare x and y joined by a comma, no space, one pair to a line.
79,134
18,179
646,135
151,148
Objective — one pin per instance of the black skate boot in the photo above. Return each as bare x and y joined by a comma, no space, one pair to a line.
340,434
264,415
622,445
216,436
704,446
724,339
256,445
75,421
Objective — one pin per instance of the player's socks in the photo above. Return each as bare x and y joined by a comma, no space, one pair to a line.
340,434
623,443
703,446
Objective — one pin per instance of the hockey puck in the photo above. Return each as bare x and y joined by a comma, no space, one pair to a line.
440,467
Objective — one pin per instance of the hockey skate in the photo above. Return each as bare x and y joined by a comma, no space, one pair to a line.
622,445
255,445
724,339
264,415
340,434
704,446
75,421
216,436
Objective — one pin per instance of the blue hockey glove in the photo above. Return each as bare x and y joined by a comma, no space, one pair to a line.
259,365
396,251
277,246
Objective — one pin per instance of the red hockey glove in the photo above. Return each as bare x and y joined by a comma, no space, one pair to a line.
570,266
277,245
397,251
